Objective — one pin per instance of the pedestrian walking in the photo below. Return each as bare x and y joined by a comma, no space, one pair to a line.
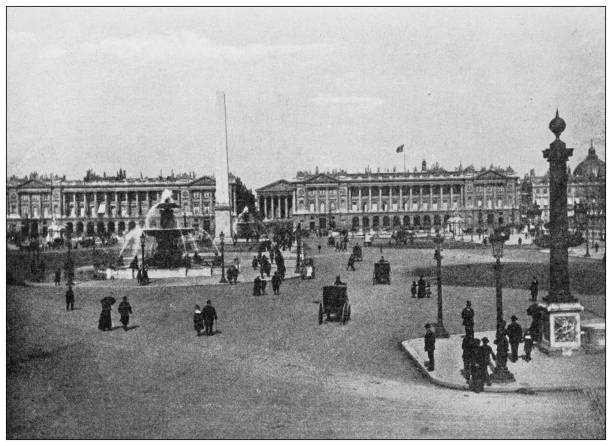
209,314
125,309
69,299
428,289
257,286
58,277
255,263
319,248
413,289
487,353
276,282
105,322
351,263
421,288
263,284
139,277
430,346
468,318
134,265
528,345
198,321
515,333
534,289
596,246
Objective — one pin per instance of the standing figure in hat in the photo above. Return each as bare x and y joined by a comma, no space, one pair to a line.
468,318
69,298
430,346
515,333
209,314
105,323
125,309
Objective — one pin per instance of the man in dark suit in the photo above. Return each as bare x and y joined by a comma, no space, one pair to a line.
515,333
209,314
430,346
534,289
69,298
468,318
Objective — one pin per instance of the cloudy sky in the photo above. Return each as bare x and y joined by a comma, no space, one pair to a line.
134,88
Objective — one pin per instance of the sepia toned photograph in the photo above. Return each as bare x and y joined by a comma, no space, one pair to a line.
239,223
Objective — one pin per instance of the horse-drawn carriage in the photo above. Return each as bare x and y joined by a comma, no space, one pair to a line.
382,273
335,305
357,252
307,269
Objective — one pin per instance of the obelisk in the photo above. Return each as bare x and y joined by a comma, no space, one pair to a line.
223,219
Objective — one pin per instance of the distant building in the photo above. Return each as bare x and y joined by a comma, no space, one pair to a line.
107,205
587,184
422,199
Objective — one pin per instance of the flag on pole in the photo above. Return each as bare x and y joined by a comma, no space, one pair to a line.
400,149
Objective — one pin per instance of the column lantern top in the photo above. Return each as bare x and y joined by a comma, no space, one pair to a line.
557,125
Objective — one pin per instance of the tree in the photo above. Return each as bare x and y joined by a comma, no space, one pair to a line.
244,198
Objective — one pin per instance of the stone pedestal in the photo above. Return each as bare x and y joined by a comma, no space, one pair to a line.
561,328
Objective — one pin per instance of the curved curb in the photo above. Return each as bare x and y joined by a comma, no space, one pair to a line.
465,387
151,285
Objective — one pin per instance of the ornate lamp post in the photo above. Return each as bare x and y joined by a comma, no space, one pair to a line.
222,239
581,215
497,245
143,239
561,331
69,264
440,330
298,239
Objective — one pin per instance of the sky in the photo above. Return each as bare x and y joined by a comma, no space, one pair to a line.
337,88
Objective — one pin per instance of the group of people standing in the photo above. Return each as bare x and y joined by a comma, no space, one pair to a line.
204,319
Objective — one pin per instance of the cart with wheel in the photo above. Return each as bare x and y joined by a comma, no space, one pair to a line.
382,273
335,305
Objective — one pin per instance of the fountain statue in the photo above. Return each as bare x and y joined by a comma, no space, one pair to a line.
166,246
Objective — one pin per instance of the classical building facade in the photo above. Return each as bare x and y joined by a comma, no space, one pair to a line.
420,200
108,206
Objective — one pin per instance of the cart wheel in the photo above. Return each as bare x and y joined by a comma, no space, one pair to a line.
320,314
344,316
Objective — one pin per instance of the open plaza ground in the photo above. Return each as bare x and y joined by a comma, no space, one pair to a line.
271,371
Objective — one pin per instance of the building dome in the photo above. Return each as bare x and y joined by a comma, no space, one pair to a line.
591,167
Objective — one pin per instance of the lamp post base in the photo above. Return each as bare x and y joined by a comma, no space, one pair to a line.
502,375
441,331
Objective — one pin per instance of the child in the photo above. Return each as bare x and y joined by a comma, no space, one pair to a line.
198,322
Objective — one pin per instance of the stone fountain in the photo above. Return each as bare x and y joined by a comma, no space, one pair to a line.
168,248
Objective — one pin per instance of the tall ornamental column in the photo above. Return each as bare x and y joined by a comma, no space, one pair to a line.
561,331
369,198
380,202
360,206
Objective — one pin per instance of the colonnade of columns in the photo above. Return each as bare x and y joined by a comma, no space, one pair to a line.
276,206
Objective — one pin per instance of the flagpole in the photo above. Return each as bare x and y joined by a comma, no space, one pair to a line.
404,153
